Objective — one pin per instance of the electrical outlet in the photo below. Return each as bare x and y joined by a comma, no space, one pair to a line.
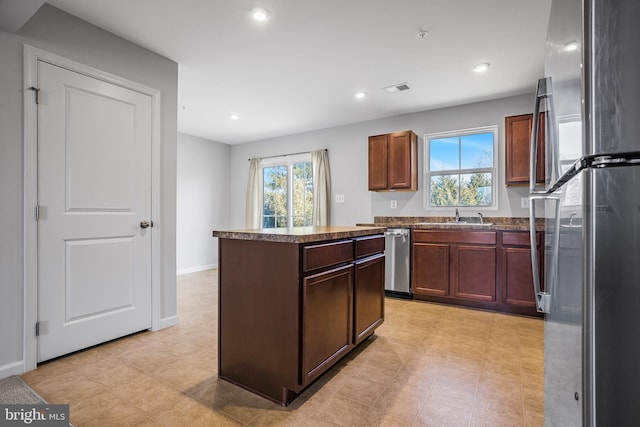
394,204
524,202
339,198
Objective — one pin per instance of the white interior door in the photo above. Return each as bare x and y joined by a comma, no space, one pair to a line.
94,189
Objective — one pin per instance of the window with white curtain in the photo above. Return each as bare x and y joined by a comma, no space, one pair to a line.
287,191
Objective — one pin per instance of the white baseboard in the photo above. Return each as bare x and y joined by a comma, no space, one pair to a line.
166,322
195,269
15,368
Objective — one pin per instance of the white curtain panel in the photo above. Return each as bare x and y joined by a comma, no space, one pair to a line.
253,208
321,187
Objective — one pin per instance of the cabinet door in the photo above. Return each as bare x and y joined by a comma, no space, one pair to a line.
518,143
518,289
368,296
403,161
327,332
378,160
473,272
430,269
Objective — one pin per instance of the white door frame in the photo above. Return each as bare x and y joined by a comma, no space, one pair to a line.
30,180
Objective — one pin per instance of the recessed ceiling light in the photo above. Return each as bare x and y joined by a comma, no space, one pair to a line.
234,116
481,68
260,15
360,95
572,46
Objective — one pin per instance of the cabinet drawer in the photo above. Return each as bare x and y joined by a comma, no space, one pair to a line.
455,236
327,254
368,245
514,238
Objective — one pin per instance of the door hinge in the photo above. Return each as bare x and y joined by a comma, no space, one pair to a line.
37,91
37,213
37,329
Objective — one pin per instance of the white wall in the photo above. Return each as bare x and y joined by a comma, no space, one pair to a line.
203,201
347,147
60,33
11,247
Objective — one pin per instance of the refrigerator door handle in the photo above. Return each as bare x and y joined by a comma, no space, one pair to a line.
543,92
543,298
533,153
596,161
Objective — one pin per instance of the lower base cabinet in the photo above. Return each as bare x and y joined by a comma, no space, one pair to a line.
483,269
369,296
473,271
517,279
327,321
430,264
518,289
296,310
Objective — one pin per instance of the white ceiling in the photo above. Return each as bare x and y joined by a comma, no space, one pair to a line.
298,72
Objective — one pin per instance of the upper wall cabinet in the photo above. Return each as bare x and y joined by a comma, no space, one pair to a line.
518,142
393,162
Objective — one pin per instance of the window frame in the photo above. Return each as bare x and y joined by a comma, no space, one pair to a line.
427,174
288,161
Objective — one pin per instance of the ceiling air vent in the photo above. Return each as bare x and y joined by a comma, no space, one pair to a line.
397,88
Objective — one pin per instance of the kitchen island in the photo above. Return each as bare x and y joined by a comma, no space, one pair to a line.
292,302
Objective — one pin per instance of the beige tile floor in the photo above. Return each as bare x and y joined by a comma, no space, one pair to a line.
427,365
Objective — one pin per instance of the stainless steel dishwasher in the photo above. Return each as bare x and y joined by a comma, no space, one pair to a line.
397,256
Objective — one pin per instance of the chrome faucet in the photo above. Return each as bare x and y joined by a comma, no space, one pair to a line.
481,218
572,218
457,215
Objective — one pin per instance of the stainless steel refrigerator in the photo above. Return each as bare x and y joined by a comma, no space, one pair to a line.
590,202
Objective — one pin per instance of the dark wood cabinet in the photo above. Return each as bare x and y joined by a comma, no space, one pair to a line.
473,272
393,162
327,319
484,269
326,254
516,275
403,161
457,265
378,161
430,269
369,296
518,289
517,147
296,310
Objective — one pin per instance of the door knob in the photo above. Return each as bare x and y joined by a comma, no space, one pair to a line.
146,224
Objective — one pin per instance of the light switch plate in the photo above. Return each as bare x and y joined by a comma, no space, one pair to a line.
339,198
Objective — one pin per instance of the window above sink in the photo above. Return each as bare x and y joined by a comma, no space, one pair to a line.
460,168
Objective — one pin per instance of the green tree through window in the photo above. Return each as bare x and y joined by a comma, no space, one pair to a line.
287,196
461,168
274,199
302,194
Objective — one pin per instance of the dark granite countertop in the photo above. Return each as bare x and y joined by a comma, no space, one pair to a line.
299,234
442,223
